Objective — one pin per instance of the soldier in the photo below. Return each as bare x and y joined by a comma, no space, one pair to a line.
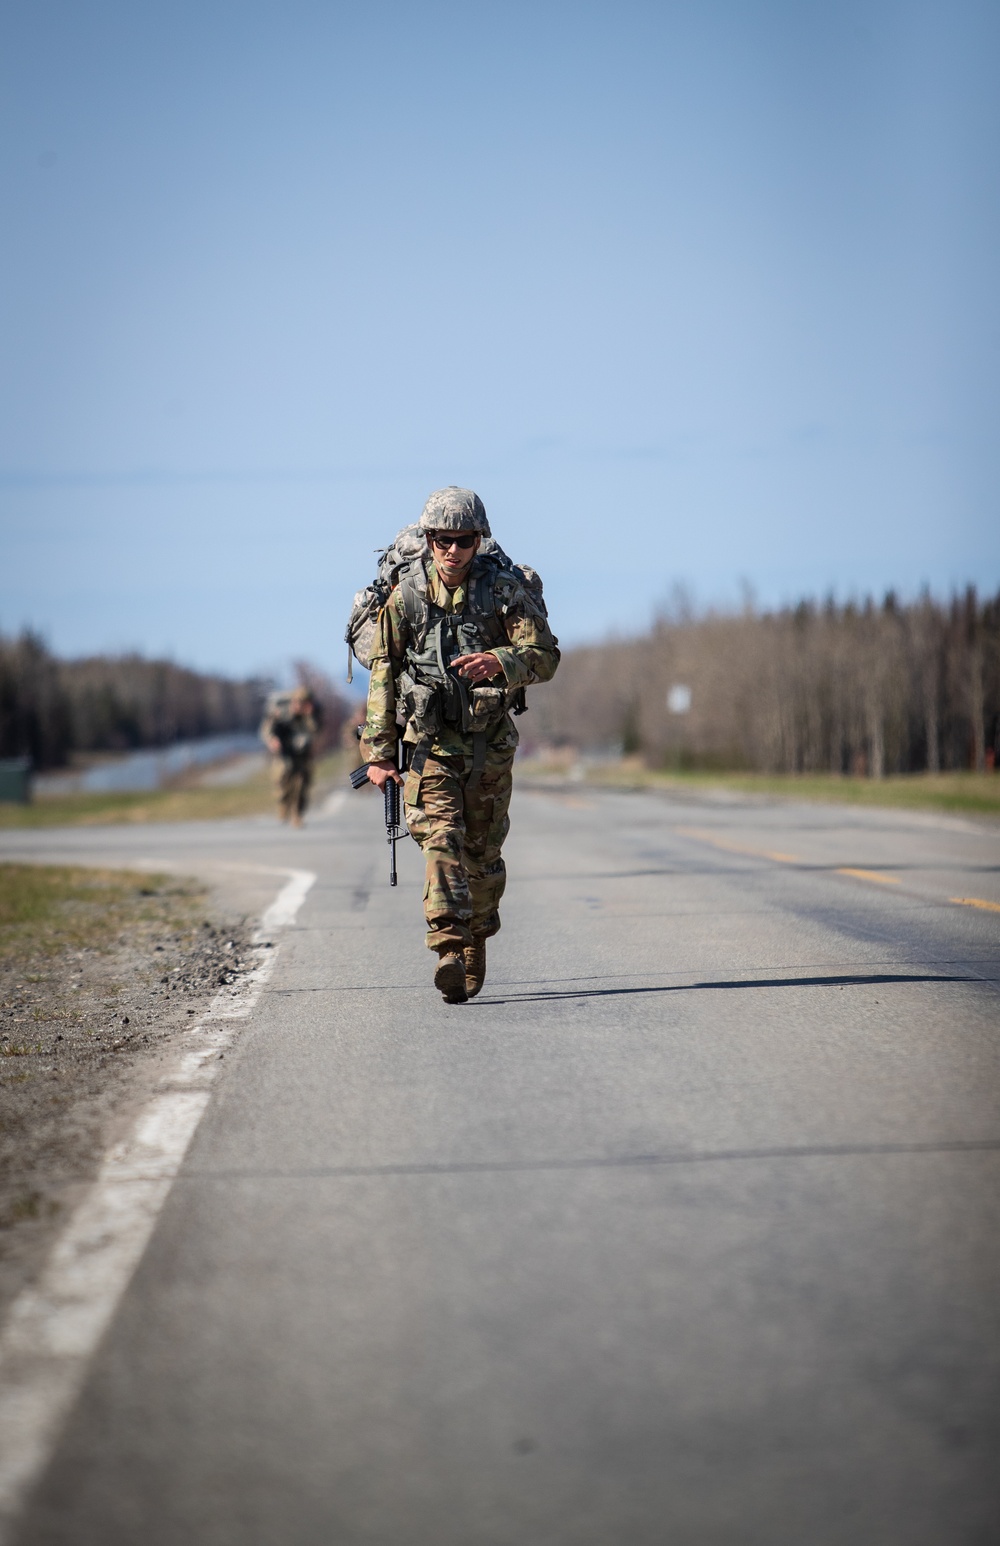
289,730
456,644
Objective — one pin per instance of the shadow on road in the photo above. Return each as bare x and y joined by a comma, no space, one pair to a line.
854,980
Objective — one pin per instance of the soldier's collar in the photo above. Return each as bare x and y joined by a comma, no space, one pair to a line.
435,578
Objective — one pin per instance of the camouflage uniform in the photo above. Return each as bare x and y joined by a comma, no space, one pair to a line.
461,829
295,731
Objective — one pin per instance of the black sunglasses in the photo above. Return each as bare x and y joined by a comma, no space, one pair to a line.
454,539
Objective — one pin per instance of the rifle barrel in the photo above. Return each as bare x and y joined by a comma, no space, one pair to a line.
392,824
394,832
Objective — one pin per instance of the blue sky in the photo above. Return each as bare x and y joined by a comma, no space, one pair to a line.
699,293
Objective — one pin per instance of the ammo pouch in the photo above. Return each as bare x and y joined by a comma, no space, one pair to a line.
421,705
431,706
486,706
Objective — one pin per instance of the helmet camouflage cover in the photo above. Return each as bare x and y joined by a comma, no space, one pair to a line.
455,509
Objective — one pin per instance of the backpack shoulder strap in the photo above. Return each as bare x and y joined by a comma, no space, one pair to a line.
413,594
482,598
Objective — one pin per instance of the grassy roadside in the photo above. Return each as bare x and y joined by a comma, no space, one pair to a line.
186,802
976,794
48,908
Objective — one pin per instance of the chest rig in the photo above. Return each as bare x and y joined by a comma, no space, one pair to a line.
433,696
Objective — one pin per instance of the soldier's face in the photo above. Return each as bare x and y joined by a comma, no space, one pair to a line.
453,562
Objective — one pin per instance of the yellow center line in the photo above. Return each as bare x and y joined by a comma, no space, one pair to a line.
779,858
739,848
881,880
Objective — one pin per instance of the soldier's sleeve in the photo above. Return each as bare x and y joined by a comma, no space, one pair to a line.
266,728
532,651
379,736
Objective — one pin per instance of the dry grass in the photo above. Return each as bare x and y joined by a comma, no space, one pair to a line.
976,794
46,909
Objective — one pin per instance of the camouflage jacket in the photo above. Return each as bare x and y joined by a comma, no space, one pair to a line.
531,654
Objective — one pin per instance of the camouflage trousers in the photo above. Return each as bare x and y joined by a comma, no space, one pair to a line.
461,832
294,781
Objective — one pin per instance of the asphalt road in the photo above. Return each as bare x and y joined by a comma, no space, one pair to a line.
687,1231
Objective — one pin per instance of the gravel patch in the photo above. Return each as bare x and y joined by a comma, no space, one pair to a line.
94,996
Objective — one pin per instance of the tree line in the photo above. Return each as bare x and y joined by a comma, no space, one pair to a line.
843,688
51,708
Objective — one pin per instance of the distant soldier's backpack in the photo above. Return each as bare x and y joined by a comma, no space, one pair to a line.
279,704
406,552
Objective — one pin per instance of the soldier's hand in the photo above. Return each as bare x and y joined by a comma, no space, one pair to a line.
477,668
379,773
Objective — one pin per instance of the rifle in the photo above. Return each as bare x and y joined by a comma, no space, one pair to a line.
395,831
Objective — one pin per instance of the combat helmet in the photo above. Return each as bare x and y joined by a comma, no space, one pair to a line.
455,509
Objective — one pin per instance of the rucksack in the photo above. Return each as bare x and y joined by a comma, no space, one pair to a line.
279,704
408,549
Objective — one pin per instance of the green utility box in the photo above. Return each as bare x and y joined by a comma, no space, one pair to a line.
15,780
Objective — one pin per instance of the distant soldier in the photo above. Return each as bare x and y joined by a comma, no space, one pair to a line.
457,641
289,731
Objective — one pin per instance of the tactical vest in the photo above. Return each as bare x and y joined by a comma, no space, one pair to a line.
433,696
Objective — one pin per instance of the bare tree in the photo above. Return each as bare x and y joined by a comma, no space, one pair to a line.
842,688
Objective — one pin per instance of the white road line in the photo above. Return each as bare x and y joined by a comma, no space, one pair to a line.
288,901
55,1325
333,802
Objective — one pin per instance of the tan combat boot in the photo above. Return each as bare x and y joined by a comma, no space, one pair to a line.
449,979
474,956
